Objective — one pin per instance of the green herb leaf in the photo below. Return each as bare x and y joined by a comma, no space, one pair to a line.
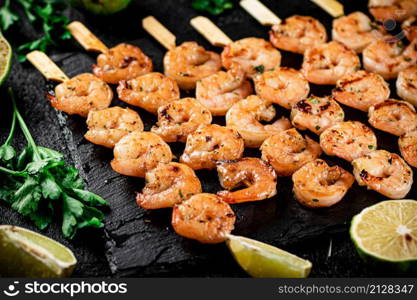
47,13
7,17
26,198
42,218
38,184
214,7
50,154
50,189
89,197
7,153
259,69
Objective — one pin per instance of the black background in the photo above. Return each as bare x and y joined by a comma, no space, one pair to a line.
140,243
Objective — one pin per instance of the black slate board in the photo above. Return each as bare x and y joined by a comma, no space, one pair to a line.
142,243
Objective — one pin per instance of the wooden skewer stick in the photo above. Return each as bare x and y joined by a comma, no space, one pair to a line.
46,66
159,32
333,7
260,12
210,31
86,38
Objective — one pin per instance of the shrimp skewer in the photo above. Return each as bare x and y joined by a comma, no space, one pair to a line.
218,92
397,10
252,55
316,114
356,31
180,118
167,185
245,117
189,63
298,33
295,34
283,86
204,217
186,63
393,116
257,175
122,62
348,140
288,151
389,56
361,90
318,185
108,126
149,91
209,144
78,95
139,152
327,63
384,172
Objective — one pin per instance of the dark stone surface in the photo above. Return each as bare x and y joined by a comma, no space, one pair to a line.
140,243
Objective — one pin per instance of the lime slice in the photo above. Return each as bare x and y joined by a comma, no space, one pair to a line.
265,261
102,7
386,234
5,58
24,253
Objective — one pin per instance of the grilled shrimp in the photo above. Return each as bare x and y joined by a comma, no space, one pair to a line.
106,127
388,56
316,114
253,55
122,62
139,152
256,175
356,31
283,86
81,94
397,10
316,184
361,90
245,117
407,84
210,143
408,147
205,218
179,118
168,184
393,116
288,151
327,63
189,63
348,140
149,91
218,92
297,34
384,172
409,28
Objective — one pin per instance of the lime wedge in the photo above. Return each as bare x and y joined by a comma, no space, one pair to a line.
386,234
5,58
265,261
24,253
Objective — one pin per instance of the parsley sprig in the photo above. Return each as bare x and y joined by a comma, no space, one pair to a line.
46,13
39,184
214,7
